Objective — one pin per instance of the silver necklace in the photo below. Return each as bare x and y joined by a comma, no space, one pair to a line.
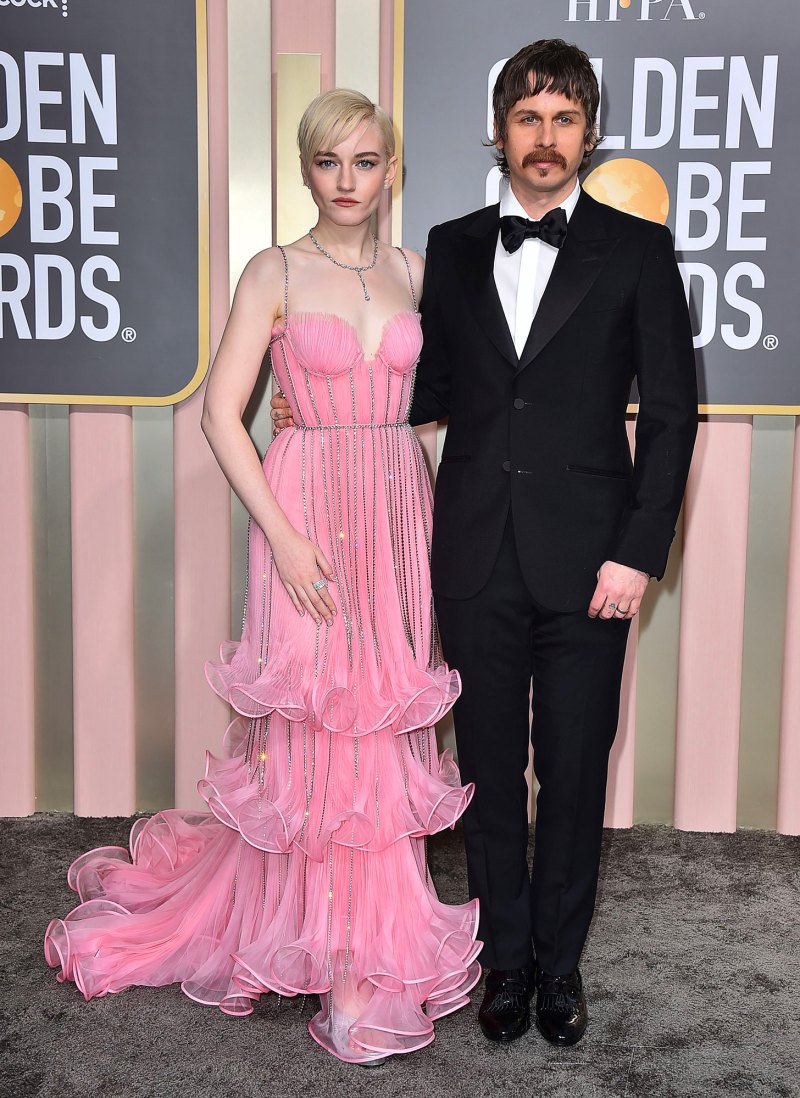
347,266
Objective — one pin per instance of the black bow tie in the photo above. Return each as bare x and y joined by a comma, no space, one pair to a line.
552,229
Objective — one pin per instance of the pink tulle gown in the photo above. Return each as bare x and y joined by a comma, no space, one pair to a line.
309,874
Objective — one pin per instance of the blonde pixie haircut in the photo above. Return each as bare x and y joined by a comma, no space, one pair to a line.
332,117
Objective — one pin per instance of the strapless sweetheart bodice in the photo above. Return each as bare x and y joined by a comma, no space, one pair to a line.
327,378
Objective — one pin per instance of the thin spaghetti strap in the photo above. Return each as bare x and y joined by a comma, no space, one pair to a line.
282,250
410,280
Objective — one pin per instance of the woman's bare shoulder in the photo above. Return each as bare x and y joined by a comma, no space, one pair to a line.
417,266
264,267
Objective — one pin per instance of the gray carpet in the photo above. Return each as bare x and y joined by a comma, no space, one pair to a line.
691,970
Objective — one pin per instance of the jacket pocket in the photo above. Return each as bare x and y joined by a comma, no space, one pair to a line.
588,471
455,457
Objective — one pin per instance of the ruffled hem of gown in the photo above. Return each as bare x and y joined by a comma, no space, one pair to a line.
194,904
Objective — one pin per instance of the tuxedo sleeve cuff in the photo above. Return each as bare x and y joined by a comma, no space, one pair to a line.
643,543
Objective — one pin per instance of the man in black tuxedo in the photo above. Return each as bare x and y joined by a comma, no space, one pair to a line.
537,316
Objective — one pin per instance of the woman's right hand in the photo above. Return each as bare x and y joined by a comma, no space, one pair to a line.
300,565
281,413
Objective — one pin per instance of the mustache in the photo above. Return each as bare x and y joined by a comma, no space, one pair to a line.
543,156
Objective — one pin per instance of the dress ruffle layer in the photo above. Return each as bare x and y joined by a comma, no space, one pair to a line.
308,875
403,789
404,699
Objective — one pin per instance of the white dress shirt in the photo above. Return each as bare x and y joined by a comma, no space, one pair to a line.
521,277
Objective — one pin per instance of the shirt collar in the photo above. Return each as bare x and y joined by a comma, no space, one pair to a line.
511,206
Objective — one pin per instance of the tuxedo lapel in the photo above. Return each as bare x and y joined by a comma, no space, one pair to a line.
585,252
478,244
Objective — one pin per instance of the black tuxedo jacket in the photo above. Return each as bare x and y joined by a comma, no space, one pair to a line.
544,434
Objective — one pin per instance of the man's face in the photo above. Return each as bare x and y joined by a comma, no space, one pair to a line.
545,144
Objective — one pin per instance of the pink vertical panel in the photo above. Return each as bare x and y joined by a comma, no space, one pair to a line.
202,496
712,620
386,76
101,488
619,791
306,26
17,774
789,771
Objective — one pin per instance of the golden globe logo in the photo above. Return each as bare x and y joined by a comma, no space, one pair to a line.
631,186
10,198
602,11
44,294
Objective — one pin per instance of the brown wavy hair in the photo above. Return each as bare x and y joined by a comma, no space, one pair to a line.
549,65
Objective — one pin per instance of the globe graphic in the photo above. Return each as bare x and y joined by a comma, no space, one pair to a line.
10,197
631,186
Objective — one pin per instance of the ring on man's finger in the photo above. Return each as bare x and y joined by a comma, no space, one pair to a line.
612,606
619,610
319,585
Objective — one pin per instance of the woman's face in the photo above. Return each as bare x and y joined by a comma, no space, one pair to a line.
347,181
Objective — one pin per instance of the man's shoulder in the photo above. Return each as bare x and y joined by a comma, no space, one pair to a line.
619,223
482,217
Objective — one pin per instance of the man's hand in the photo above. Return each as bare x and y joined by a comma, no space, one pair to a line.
619,592
281,413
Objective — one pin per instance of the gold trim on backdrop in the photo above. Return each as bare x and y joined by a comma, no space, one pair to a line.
154,607
249,216
202,266
397,114
52,594
738,409
298,82
768,533
657,693
749,409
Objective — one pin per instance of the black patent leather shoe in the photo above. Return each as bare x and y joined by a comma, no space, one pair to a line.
561,1014
505,1013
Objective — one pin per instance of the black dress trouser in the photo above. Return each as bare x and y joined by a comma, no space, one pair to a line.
501,640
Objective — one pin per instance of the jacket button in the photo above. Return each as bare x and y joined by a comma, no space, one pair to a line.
519,403
506,466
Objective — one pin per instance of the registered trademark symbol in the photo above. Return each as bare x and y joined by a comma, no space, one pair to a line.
128,334
770,342
701,15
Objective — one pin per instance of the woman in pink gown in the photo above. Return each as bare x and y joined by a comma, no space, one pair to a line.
308,875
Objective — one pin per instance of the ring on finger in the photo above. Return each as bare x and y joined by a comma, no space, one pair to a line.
320,584
620,610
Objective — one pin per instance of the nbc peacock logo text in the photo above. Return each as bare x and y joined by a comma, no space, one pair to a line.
58,273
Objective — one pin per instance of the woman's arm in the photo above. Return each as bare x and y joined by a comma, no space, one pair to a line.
256,306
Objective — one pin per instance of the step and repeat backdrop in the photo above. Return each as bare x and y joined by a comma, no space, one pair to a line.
103,250
147,151
699,102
